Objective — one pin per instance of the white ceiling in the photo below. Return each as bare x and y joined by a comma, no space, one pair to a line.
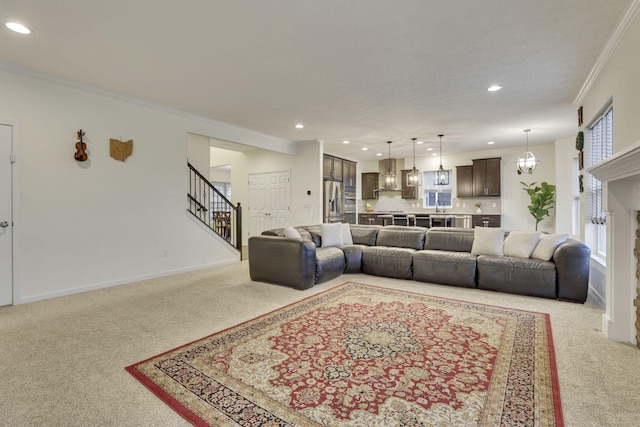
366,71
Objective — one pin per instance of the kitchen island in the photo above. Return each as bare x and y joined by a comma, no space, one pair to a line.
426,219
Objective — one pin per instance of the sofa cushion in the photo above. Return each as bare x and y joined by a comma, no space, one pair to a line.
413,239
520,244
443,267
330,263
487,241
387,262
523,276
449,241
353,258
364,235
547,245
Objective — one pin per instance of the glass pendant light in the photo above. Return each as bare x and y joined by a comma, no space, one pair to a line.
442,176
413,176
527,162
390,176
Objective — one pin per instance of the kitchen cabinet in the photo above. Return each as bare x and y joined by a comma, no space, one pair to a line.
349,176
488,220
369,219
332,168
486,177
464,181
370,182
407,191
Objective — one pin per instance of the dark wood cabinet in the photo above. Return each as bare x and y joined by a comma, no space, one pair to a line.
481,220
486,177
407,191
370,182
464,181
332,168
369,219
349,176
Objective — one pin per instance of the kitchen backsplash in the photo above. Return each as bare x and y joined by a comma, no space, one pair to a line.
394,202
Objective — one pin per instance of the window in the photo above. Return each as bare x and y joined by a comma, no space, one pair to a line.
601,133
435,195
217,203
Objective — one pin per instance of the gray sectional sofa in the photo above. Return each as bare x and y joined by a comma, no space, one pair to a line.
437,255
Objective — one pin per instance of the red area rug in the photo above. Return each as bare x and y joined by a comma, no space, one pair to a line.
359,355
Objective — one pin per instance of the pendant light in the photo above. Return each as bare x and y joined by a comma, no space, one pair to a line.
442,176
527,162
390,176
413,176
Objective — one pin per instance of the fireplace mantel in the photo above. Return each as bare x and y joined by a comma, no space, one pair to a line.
620,177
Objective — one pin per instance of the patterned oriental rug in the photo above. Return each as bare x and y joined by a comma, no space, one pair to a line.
360,355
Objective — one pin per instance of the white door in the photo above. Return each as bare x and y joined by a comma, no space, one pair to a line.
269,200
6,220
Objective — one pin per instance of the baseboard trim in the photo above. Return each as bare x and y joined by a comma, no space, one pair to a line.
102,285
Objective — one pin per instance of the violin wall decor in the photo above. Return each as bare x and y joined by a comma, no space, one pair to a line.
81,148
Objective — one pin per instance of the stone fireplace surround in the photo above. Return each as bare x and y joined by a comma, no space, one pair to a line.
620,177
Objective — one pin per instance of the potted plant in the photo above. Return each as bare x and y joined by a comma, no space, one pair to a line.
542,199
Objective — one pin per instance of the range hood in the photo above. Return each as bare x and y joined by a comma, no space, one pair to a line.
396,165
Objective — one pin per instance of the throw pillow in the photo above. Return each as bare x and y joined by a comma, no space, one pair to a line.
487,241
292,232
331,234
547,246
347,239
520,244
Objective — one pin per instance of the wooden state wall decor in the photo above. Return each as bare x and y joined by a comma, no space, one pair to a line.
120,150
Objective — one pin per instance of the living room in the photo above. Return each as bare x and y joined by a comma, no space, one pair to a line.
85,226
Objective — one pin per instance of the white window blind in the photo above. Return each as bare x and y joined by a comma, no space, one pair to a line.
601,148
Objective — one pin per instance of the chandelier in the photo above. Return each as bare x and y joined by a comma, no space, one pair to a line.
390,176
527,162
442,176
413,176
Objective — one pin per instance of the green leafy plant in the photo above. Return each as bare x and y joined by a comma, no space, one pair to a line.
542,199
580,141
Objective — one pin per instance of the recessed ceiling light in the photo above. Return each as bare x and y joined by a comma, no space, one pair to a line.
419,142
378,154
364,148
434,154
345,142
18,28
491,142
299,126
494,88
430,149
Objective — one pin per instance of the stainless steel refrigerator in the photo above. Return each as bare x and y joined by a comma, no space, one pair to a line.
333,202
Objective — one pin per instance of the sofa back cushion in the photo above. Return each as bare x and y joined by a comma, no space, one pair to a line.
364,235
449,240
413,239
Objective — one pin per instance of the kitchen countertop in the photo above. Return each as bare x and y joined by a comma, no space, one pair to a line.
431,214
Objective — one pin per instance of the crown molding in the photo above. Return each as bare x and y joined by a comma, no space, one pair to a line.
610,47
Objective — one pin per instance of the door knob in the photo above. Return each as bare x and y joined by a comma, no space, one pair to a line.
4,224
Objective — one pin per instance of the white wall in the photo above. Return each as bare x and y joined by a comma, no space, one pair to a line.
85,225
305,168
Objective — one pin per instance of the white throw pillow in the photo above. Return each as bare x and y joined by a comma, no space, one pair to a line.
520,244
347,239
547,246
292,232
487,241
331,234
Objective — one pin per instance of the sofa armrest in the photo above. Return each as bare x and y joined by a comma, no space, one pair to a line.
283,261
572,260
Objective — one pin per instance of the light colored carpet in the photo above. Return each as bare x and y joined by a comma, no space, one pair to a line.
62,360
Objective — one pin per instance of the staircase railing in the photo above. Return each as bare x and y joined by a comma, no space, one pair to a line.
214,210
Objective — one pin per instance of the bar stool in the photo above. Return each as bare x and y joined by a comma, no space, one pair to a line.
386,218
411,218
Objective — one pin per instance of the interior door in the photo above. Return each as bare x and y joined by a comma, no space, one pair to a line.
269,201
6,219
